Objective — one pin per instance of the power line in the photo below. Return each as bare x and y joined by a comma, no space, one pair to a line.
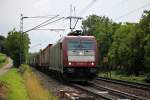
35,45
135,10
116,5
87,7
39,44
45,24
48,16
52,29
51,22
41,23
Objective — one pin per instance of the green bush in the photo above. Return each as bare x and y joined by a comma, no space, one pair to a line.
23,68
2,58
147,79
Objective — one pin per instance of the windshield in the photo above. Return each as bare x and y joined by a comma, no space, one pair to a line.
73,45
88,45
84,45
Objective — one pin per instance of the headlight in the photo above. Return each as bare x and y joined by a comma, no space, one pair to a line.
69,63
92,64
80,53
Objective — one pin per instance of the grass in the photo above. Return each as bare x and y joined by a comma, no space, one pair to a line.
16,89
22,84
35,89
3,59
119,76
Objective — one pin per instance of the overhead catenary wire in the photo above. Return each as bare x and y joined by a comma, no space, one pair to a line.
47,16
52,29
135,10
42,23
116,5
87,7
45,24
35,45
38,44
51,22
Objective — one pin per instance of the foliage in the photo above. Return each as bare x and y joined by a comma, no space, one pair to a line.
117,74
2,41
17,45
147,79
126,50
3,60
144,26
102,28
15,85
127,45
147,52
119,51
34,87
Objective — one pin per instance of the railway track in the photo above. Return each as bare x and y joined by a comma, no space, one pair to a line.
115,92
100,92
96,91
126,83
135,91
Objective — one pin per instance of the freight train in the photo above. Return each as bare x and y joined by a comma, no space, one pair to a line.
72,58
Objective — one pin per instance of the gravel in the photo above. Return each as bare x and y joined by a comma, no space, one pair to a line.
57,87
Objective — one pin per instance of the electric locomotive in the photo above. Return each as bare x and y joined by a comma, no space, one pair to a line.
75,58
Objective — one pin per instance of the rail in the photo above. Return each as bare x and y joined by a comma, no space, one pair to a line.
131,84
117,92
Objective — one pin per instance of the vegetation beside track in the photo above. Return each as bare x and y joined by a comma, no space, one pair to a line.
3,59
17,46
120,76
123,46
22,84
12,86
35,89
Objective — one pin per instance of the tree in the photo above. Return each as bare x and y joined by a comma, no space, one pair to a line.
147,53
15,46
102,28
120,51
127,49
126,45
144,28
2,47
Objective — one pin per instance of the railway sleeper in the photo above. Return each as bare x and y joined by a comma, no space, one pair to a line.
73,95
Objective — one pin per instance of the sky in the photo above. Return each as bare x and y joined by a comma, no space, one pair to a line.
10,10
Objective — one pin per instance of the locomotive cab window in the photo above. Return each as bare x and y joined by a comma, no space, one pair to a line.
73,45
87,45
84,45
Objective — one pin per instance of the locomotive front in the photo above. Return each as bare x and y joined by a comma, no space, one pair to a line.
81,54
